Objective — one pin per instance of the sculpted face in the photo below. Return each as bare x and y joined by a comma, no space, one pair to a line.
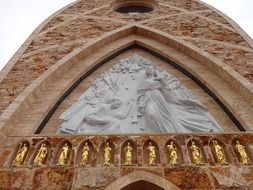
115,104
150,71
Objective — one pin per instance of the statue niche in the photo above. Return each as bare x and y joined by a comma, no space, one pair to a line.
173,152
107,153
21,154
129,153
86,154
136,96
63,154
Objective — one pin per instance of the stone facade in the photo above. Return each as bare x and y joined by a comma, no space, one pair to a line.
185,174
205,49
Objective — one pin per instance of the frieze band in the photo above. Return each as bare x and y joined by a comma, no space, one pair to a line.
105,154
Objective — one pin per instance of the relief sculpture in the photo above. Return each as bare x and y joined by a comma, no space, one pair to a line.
136,96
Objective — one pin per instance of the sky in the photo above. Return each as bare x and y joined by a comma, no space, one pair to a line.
19,18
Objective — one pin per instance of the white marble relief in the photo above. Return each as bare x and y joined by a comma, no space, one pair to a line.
136,96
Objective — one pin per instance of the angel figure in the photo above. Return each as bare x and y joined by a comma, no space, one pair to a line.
41,155
241,151
219,153
162,103
63,155
151,154
196,154
172,151
128,154
107,154
85,154
21,154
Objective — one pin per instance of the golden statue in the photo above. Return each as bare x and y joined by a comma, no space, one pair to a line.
21,154
241,151
151,154
219,153
85,155
128,154
63,155
41,155
196,154
172,150
107,154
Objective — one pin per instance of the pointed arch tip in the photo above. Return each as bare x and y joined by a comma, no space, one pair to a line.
145,176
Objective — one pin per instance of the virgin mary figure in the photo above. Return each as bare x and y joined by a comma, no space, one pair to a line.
167,108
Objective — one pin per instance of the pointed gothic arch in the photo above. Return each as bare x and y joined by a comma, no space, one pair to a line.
142,176
165,46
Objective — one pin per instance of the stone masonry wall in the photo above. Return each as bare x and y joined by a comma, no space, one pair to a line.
96,176
88,19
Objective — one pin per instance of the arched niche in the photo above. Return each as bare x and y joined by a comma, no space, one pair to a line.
146,151
124,145
20,154
92,157
141,178
224,150
173,142
200,150
244,146
167,47
82,87
63,152
101,154
42,150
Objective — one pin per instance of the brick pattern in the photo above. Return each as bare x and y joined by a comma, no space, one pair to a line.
240,59
77,30
214,16
109,13
189,5
194,26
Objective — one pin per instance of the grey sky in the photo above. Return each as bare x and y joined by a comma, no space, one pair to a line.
18,19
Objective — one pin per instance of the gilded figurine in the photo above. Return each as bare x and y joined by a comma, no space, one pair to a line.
85,154
63,155
196,154
219,153
21,154
128,154
107,154
172,151
41,155
241,151
151,154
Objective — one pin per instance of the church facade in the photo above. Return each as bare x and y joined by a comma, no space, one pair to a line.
129,94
